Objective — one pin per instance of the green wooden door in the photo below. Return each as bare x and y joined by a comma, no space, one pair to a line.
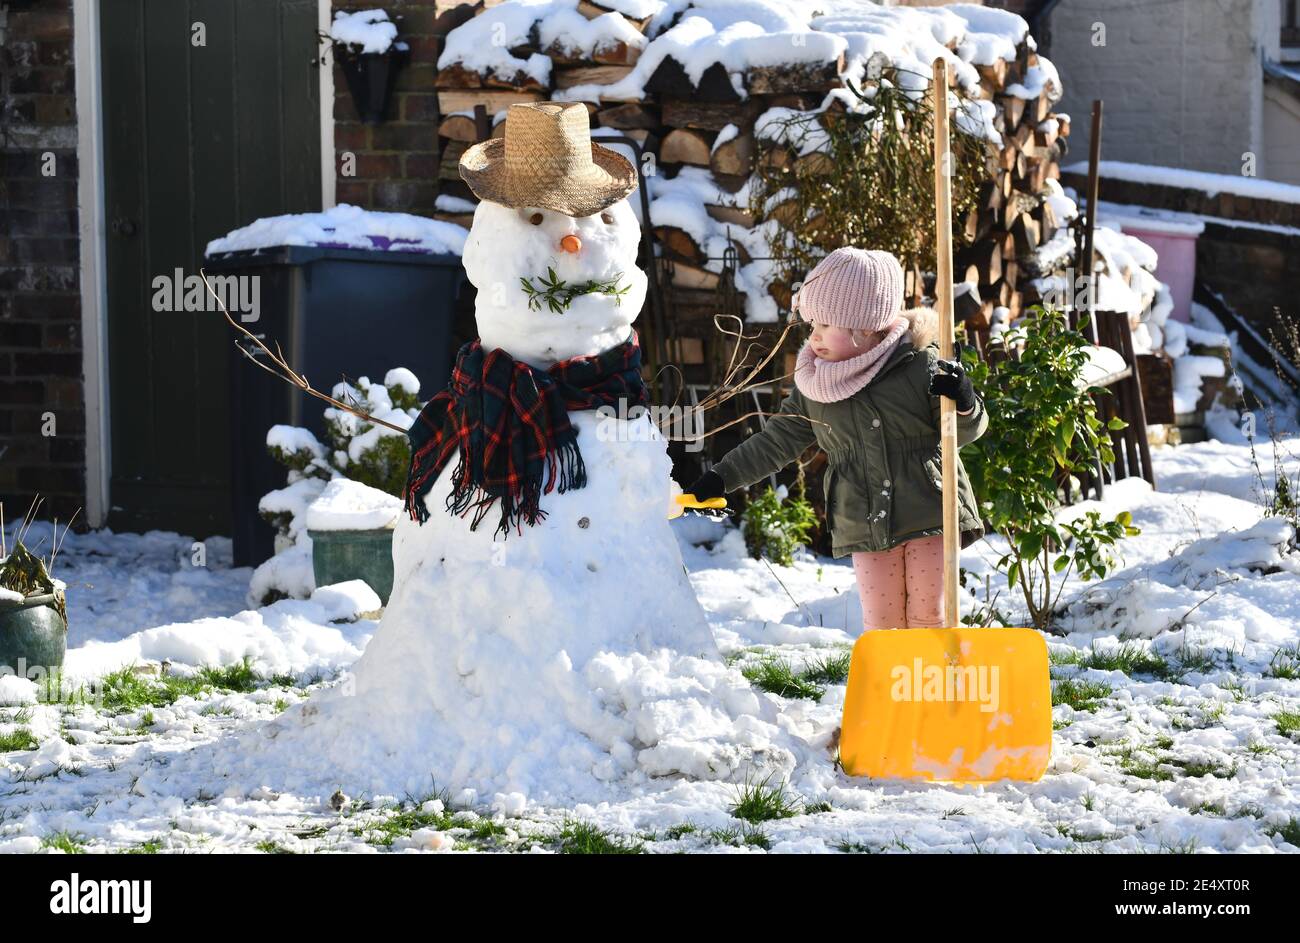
212,120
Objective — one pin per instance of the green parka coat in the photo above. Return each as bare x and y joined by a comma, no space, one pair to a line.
884,478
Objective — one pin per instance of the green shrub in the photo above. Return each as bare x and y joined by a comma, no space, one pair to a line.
1039,422
775,529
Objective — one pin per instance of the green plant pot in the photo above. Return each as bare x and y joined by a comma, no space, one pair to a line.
32,633
341,555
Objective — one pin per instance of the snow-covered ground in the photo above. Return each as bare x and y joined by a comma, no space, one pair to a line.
1182,673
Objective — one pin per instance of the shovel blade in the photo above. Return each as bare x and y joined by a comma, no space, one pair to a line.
948,705
683,501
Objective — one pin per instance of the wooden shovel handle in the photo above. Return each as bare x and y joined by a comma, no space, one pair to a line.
943,304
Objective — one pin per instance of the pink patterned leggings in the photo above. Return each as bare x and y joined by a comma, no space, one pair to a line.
902,587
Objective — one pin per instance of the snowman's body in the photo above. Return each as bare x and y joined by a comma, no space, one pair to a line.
486,670
602,570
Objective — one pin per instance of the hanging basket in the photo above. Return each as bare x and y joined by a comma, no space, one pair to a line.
370,77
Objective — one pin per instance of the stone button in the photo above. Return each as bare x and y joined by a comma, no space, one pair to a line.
875,422
887,482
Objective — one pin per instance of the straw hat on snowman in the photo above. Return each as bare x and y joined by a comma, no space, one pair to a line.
546,159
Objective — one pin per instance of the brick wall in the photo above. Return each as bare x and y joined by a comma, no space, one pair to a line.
40,307
396,162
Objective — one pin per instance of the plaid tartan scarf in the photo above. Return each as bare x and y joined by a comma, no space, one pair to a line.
510,422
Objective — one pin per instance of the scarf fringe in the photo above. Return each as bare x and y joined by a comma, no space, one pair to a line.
449,422
565,471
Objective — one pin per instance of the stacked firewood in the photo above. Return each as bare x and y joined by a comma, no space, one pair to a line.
709,124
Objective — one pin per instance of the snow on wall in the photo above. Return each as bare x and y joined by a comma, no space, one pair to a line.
1208,183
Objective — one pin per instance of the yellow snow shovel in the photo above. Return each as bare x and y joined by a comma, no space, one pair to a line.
683,501
955,704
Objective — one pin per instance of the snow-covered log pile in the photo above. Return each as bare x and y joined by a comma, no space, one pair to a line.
698,81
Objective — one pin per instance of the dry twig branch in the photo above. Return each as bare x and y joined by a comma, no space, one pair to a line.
284,371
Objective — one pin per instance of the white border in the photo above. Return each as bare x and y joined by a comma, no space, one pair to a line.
91,232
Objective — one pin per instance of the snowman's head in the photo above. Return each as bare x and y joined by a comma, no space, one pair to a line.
507,245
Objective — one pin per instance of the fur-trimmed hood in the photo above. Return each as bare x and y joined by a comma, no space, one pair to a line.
924,328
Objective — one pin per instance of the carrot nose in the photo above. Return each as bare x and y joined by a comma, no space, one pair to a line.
571,243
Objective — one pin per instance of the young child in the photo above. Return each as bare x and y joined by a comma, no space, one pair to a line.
867,388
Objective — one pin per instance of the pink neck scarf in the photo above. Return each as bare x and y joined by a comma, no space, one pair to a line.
829,381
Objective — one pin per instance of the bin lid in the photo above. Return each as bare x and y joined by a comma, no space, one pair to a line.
303,255
343,232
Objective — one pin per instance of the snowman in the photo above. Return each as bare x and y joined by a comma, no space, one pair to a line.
542,638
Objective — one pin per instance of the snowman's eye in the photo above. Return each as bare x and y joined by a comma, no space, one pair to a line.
536,219
606,218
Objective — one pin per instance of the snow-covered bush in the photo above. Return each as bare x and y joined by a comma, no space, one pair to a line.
358,450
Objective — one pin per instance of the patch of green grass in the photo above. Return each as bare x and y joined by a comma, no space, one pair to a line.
775,676
817,808
740,836
759,802
1290,832
1163,742
239,678
856,848
1141,765
1187,847
1237,689
66,842
1285,663
1288,722
1060,658
583,838
1260,749
1195,659
1130,658
677,832
402,822
125,690
1210,808
272,848
1081,695
1200,768
1213,711
483,830
829,669
146,721
19,739
150,847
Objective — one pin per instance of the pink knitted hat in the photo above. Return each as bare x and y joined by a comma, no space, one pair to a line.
853,288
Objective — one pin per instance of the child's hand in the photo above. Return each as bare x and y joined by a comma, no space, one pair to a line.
708,485
953,383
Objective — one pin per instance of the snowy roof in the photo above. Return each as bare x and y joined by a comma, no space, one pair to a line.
346,227
1207,183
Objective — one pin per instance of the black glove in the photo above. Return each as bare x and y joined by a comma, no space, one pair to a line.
953,383
708,485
